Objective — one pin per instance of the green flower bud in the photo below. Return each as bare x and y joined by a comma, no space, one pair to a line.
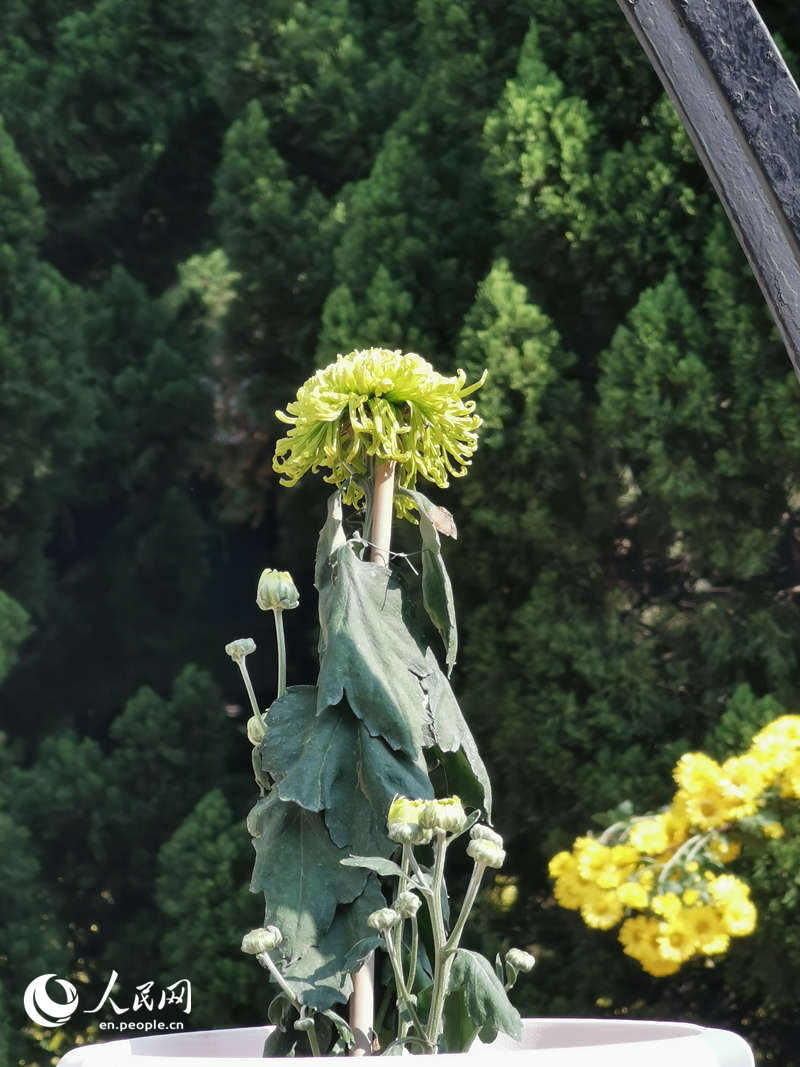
305,1024
240,648
407,904
447,814
255,731
264,939
486,852
383,919
403,822
485,833
520,960
276,591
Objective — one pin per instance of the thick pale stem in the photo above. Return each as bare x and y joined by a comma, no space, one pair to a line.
380,536
362,1006
281,641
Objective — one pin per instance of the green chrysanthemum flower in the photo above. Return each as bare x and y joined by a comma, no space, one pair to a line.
383,406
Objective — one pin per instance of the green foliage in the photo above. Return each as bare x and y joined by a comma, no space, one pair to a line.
47,400
329,762
201,891
477,995
96,94
339,752
14,628
33,940
330,73
491,185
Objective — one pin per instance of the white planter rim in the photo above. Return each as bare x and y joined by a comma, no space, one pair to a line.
546,1042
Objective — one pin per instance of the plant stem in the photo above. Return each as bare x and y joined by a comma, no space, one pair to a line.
466,907
250,691
412,965
362,1006
380,535
281,640
402,991
441,963
312,1040
266,960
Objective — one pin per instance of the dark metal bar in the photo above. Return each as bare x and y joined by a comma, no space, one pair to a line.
741,108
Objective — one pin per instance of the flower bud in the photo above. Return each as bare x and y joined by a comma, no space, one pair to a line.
403,825
485,833
276,591
255,731
447,814
486,852
520,960
383,919
407,904
240,648
264,939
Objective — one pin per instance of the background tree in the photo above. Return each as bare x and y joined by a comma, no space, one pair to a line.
199,204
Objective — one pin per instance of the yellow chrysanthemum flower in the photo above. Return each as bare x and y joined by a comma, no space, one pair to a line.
724,850
702,786
706,929
789,779
633,895
675,942
732,897
382,405
601,909
639,939
650,836
776,749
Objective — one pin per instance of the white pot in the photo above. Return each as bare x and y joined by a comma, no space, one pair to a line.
545,1043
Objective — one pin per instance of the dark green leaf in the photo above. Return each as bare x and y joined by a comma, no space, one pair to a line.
437,591
385,868
448,729
280,1043
330,763
321,976
474,982
297,868
368,653
331,538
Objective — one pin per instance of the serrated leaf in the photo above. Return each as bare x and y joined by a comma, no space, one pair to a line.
278,1010
297,868
321,977
368,653
447,728
331,763
331,537
346,1035
484,1001
437,590
385,868
280,1043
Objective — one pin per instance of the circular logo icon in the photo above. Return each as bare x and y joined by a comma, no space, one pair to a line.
41,1007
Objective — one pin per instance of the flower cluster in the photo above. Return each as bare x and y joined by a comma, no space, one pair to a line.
662,875
384,406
